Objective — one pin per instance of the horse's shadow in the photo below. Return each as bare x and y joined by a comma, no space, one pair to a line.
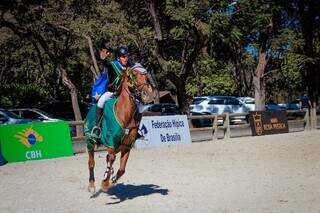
122,192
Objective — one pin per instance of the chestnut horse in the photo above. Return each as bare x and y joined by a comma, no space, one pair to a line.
134,86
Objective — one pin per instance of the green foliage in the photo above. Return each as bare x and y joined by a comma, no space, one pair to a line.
213,78
224,66
291,70
20,95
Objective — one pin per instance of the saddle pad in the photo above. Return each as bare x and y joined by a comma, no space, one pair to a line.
112,132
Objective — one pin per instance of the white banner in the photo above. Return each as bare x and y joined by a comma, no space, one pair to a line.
163,130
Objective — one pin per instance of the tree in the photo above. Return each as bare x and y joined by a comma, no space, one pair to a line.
177,62
307,13
55,32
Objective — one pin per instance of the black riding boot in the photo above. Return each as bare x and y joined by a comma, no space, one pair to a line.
98,116
96,129
138,119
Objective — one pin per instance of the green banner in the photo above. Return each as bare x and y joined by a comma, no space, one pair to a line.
35,141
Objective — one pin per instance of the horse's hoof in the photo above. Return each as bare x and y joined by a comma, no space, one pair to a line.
105,184
91,188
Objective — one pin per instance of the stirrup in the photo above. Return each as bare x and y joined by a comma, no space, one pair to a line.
95,132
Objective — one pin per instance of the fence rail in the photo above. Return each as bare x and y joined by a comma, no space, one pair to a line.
222,125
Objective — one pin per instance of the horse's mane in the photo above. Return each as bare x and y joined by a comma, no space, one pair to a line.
119,88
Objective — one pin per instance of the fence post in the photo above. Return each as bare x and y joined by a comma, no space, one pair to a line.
307,119
215,127
313,118
316,118
227,126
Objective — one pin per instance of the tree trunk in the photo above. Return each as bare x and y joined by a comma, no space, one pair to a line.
74,97
95,69
258,81
180,83
183,99
259,75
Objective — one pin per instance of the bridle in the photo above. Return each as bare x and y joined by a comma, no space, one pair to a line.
136,89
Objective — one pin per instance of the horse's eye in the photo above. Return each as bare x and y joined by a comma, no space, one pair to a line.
129,77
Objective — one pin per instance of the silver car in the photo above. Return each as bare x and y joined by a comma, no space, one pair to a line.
34,114
7,117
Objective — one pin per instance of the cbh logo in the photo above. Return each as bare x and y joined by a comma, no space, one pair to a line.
29,137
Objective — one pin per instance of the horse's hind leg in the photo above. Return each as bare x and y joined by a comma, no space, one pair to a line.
125,152
111,156
123,162
91,164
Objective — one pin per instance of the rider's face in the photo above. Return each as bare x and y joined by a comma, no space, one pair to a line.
124,60
104,53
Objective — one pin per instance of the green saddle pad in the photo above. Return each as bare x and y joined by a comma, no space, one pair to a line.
112,132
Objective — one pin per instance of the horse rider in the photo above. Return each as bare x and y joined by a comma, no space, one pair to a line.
99,86
114,70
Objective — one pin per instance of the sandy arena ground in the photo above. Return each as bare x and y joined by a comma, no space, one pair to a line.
279,173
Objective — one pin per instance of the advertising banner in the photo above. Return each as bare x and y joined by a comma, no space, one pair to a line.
268,122
34,141
163,130
2,160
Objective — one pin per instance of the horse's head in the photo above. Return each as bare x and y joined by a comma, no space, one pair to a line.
139,84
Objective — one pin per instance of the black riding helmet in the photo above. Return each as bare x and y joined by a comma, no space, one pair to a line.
104,44
122,51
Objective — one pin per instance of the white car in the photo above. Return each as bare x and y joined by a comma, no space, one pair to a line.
218,105
249,102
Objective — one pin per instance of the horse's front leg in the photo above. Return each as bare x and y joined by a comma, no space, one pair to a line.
123,162
91,164
111,156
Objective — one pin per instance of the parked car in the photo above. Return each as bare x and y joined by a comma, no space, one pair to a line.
271,105
219,105
161,109
7,117
35,114
64,110
249,102
293,105
203,122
